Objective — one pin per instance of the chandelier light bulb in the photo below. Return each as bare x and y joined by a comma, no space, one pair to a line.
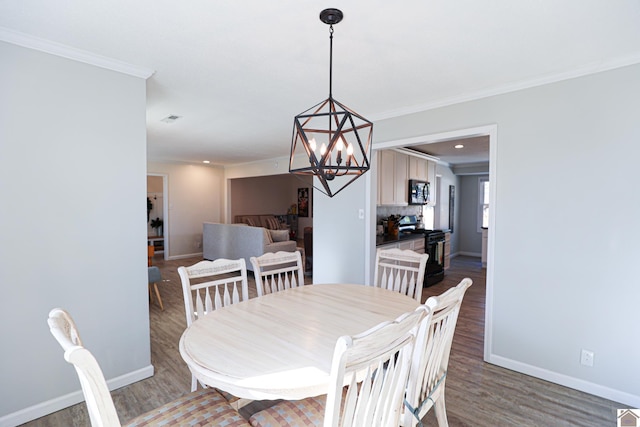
323,148
340,143
350,149
313,145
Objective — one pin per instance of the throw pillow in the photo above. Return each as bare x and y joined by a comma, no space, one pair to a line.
273,224
267,236
249,222
279,235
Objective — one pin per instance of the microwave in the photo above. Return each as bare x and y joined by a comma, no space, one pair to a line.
419,193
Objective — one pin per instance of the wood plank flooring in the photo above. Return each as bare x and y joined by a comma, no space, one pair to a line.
477,393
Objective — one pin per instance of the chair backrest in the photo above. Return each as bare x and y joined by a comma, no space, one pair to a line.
278,271
374,365
229,283
150,253
431,355
400,271
102,411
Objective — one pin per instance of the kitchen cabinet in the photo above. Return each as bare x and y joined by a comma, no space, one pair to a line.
415,244
418,168
418,245
392,178
431,179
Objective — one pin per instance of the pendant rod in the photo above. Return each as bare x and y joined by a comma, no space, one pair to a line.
330,61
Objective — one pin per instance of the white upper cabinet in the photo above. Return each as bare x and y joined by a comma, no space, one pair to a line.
431,179
418,168
393,176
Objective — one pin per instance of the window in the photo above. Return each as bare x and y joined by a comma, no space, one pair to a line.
483,203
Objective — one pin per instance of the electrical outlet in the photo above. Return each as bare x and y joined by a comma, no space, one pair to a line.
360,213
586,358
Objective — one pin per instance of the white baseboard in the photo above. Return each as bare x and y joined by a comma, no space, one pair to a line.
625,398
184,256
50,406
473,254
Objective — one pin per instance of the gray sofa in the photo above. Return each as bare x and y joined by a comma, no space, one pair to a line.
234,241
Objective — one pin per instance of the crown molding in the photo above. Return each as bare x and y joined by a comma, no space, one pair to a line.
585,70
64,51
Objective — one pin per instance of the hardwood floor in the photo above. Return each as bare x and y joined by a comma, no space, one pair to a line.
477,393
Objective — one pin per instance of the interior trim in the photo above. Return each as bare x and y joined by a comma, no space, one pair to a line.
585,70
57,403
58,49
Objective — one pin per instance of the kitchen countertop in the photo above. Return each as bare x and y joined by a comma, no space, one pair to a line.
386,239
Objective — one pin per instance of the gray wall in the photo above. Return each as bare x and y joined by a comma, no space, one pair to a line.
470,239
565,163
341,234
73,191
448,178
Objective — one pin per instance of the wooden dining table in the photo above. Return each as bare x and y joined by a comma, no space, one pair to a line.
280,345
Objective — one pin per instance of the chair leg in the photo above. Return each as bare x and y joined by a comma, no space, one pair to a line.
240,403
155,285
441,411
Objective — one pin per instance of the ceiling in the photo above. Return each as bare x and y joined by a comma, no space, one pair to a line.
458,151
238,71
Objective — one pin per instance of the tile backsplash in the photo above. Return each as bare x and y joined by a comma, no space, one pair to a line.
383,212
427,212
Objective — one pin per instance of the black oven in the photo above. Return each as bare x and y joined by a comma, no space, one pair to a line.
434,246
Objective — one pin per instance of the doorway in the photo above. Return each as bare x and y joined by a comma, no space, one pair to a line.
157,214
492,132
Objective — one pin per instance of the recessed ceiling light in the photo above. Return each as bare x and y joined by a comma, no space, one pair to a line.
458,146
171,118
206,161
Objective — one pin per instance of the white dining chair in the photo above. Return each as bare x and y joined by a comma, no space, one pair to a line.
278,271
203,407
367,381
226,283
425,388
400,271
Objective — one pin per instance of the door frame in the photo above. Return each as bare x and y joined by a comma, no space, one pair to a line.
165,211
491,131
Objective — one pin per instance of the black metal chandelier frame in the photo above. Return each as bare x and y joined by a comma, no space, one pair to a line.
343,124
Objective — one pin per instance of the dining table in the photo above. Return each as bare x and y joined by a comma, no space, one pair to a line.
280,345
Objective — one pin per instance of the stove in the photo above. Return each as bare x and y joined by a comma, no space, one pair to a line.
434,246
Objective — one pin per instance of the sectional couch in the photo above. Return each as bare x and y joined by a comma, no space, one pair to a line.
268,221
234,241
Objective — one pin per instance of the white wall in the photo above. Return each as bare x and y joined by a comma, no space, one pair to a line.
195,195
566,230
73,192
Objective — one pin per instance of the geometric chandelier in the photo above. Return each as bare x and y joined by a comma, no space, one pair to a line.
331,140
